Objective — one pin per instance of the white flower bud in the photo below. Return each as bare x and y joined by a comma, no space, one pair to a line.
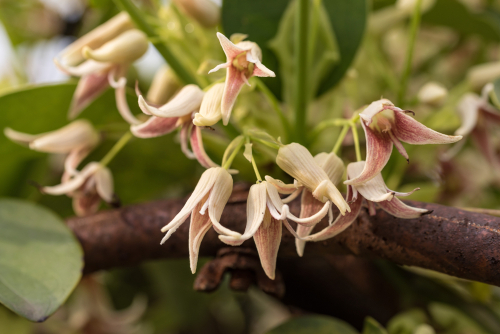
432,93
165,84
210,109
482,74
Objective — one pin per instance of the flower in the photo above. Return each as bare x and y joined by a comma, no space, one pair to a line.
210,109
211,192
265,214
87,187
243,61
375,191
296,160
76,140
482,74
385,125
477,114
432,93
205,12
98,57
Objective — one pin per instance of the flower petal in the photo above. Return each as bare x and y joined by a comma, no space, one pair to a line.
326,189
399,146
229,48
398,209
413,132
73,184
185,134
292,196
268,239
374,189
210,109
185,102
104,184
308,206
282,187
199,150
73,160
121,99
378,152
21,137
332,165
373,109
154,127
124,48
261,71
468,109
88,89
232,87
200,224
483,142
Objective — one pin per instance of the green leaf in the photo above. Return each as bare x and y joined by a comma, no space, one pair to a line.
495,93
406,322
260,20
373,327
455,15
40,259
314,324
454,320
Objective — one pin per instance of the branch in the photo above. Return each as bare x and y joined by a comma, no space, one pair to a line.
450,240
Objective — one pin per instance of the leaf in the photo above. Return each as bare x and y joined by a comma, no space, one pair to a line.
454,320
373,327
406,322
40,259
260,21
495,93
455,15
314,324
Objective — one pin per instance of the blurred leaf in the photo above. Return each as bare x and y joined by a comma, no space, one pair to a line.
455,15
406,322
12,323
495,93
481,292
373,327
260,20
453,320
314,324
40,262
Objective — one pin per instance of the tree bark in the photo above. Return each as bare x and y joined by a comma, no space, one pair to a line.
449,240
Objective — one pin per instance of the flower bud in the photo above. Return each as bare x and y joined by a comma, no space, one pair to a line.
165,84
126,48
205,12
210,110
120,23
408,6
480,75
433,94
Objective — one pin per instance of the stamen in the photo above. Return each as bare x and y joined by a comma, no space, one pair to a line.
204,207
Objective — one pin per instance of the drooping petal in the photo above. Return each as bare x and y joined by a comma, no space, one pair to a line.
373,109
185,135
123,49
89,88
308,206
87,67
314,218
378,152
199,150
200,224
326,189
229,48
73,160
232,88
468,109
20,137
73,184
218,198
104,184
261,71
205,184
483,142
185,102
398,209
332,165
220,66
340,224
413,132
374,189
121,99
268,239
293,195
282,187
154,127
398,145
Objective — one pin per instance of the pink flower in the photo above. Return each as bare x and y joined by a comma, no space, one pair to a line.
385,125
243,62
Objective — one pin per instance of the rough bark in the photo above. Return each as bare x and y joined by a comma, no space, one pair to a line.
449,240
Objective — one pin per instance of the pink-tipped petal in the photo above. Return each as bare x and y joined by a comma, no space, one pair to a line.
372,211
410,131
399,146
185,134
199,150
403,194
200,224
232,87
340,224
229,48
88,89
398,209
268,239
154,127
483,141
261,71
308,206
378,152
220,66
121,100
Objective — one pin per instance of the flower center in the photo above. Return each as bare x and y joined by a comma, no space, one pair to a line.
383,121
241,63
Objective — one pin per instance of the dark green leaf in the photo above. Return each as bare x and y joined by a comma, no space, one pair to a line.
314,324
373,327
40,259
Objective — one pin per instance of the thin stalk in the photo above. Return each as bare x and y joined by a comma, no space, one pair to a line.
229,161
340,139
490,212
301,69
415,24
116,148
275,104
356,141
140,21
255,169
326,124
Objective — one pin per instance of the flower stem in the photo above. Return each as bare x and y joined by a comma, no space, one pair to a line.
275,104
326,124
140,21
301,69
340,139
116,148
356,141
229,161
415,24
254,165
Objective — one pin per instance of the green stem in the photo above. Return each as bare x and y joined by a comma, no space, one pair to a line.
256,170
301,80
233,155
326,124
340,139
116,148
137,16
356,141
415,24
275,104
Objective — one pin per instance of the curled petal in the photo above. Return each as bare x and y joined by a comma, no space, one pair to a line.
232,87
154,127
185,134
200,224
199,150
292,196
314,218
373,190
185,102
268,239
282,187
398,209
104,184
121,99
373,109
210,109
89,88
220,66
73,160
378,152
87,67
413,132
399,146
261,71
20,137
308,206
468,109
125,48
326,189
331,164
73,184
229,48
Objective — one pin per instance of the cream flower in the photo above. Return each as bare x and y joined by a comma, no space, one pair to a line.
211,192
205,12
432,93
210,109
243,61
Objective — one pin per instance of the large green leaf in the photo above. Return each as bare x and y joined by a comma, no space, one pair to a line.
260,19
373,327
40,259
314,324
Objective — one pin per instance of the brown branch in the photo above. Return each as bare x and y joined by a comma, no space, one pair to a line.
450,240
